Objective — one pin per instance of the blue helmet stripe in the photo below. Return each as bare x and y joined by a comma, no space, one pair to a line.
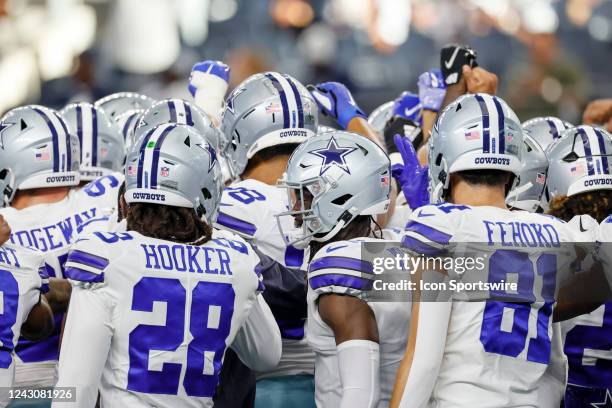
587,151
54,136
603,152
94,142
127,125
188,117
155,165
554,131
139,176
172,109
486,137
68,147
79,120
501,123
283,98
298,101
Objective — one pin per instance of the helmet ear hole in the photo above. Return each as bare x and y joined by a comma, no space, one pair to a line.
439,159
3,174
571,157
206,193
342,199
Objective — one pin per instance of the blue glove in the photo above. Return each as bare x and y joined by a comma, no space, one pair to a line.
408,106
335,100
431,89
411,176
208,84
205,68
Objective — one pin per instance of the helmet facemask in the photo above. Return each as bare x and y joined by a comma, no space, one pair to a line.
303,195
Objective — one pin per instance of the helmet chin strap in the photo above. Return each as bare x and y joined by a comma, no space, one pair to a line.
331,233
437,192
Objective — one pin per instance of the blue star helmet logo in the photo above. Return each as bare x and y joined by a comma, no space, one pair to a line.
333,155
2,127
211,152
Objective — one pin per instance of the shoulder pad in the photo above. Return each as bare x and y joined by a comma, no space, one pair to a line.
87,260
337,268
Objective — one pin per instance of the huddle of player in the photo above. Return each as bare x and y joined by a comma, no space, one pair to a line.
209,253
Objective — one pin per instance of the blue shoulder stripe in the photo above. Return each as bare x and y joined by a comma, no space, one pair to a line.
341,262
428,232
88,259
81,275
420,247
337,279
236,224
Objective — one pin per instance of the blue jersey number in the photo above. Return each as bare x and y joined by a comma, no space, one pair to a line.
513,342
245,195
10,299
97,187
212,307
599,372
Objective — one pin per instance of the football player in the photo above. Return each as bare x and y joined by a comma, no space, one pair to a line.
339,181
25,311
102,147
470,353
264,120
207,283
580,188
39,168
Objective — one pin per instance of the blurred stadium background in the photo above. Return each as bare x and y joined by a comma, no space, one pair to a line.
552,56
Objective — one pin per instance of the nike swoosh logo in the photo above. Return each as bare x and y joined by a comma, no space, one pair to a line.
582,229
332,249
409,112
422,214
449,63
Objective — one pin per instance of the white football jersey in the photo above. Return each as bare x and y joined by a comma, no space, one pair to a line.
23,276
588,338
52,228
248,208
338,268
165,313
496,353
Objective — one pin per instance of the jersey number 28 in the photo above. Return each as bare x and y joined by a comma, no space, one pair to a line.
209,320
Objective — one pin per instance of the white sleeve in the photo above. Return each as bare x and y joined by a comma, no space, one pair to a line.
432,325
359,367
85,345
258,342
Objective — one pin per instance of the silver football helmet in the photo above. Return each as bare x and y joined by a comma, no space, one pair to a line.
579,162
529,186
381,115
475,132
545,130
346,174
127,123
174,165
183,113
36,150
101,143
266,110
121,102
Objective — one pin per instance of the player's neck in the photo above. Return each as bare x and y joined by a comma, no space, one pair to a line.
268,172
478,195
48,195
